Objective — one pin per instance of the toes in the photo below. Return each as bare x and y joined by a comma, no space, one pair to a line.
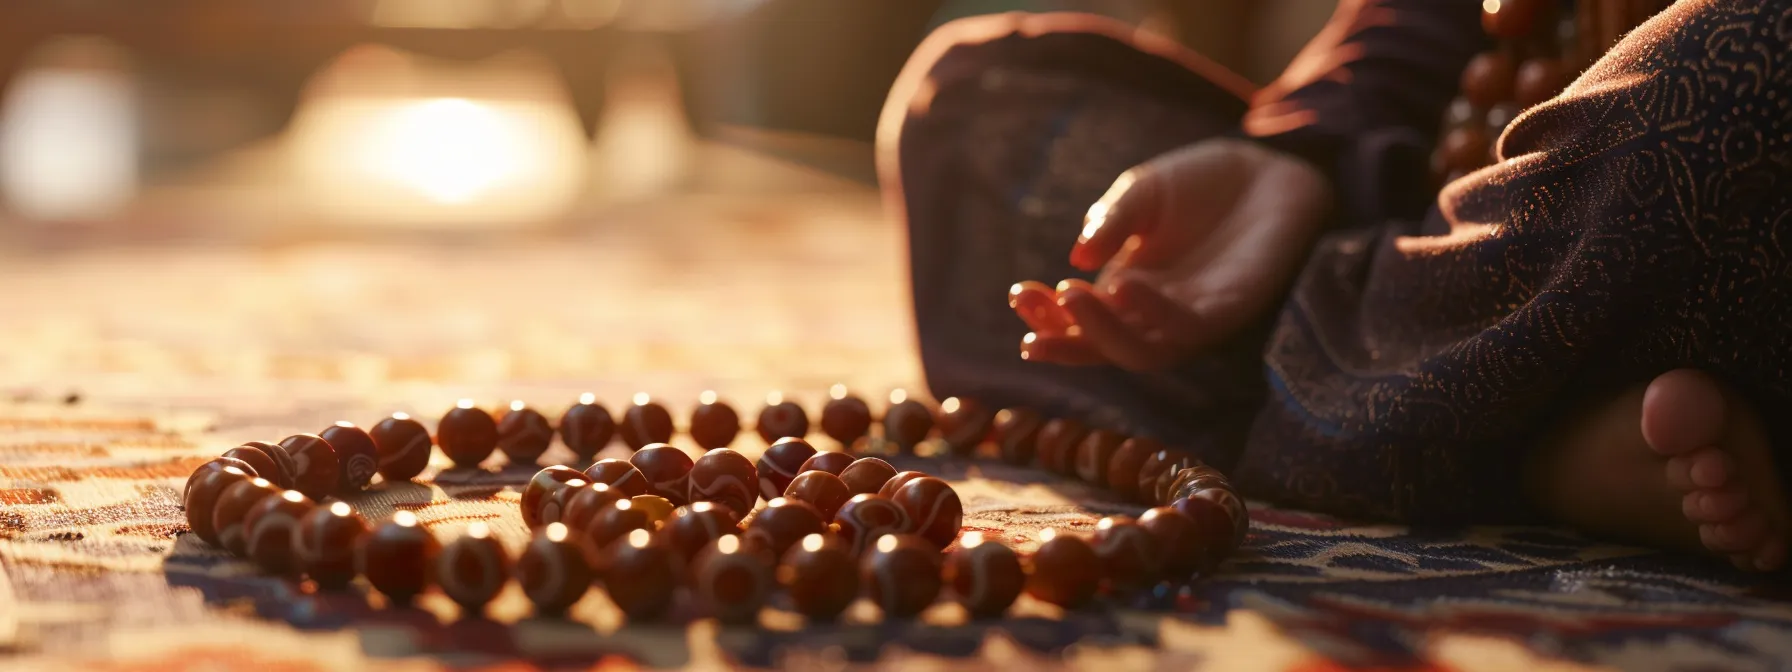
1683,410
1713,506
1711,468
1745,533
1771,556
1679,474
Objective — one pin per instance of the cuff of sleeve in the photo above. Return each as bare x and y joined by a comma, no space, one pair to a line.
1376,176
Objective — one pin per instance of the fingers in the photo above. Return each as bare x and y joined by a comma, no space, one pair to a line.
1127,209
1037,305
1067,350
1107,334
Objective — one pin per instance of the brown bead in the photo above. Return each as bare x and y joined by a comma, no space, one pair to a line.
964,424
831,462
203,494
821,575
894,483
645,423
524,434
781,419
232,505
667,470
780,524
556,568
1213,530
251,460
1057,442
1178,541
693,527
1510,19
614,521
867,475
846,418
270,462
1195,479
1066,570
725,476
473,568
215,464
1125,465
1465,148
714,424
985,575
315,470
658,509
269,528
325,544
467,434
1016,430
1094,453
356,456
584,505
902,573
1235,509
1155,466
586,427
541,488
780,463
641,572
404,447
820,489
553,507
730,582
618,474
907,423
934,511
1539,79
1487,81
864,518
399,557
1130,558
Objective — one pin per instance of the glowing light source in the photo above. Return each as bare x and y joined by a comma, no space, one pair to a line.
898,396
341,509
641,399
838,391
479,530
1490,6
404,519
68,144
708,397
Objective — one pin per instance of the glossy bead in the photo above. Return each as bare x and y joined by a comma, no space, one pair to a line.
326,541
586,427
895,482
725,476
202,498
524,434
902,574
315,469
667,470
1057,442
232,505
1125,465
1213,531
215,464
1510,19
1178,541
248,458
1017,429
641,572
1539,79
269,527
473,568
780,463
356,456
846,418
964,424
399,557
864,518
1094,453
615,521
540,488
780,524
553,507
1160,489
1465,148
1066,570
1155,465
585,503
694,527
658,509
645,423
934,511
821,575
467,434
867,475
404,447
1487,80
620,475
1195,479
820,489
1130,558
907,423
1235,509
714,424
269,461
730,582
985,575
781,419
556,568
831,462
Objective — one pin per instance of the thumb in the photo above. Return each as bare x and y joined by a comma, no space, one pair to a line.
1129,208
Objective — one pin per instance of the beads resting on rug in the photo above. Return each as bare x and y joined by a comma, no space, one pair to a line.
820,489
867,475
864,518
902,574
586,427
615,521
725,476
269,527
215,464
667,471
556,568
714,423
641,572
730,582
646,422
1057,442
894,483
1093,454
315,471
780,419
204,491
964,424
934,511
404,447
781,524
831,462
357,458
780,463
232,505
695,527
1130,558
821,575
585,503
467,434
1065,570
1016,430
542,486
1127,462
325,544
907,423
845,418
524,434
473,568
985,576
399,558
620,475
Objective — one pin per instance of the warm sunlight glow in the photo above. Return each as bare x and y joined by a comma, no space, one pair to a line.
898,396
479,530
556,532
588,398
639,538
404,519
1490,6
728,545
838,391
341,509
813,543
1048,534
293,496
517,405
970,540
887,543
401,415
641,399
464,403
950,405
708,397
774,399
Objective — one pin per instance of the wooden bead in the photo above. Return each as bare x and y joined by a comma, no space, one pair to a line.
902,574
1235,509
473,569
731,583
646,423
584,504
667,470
846,418
934,511
1488,78
820,489
1017,430
620,475
325,544
269,527
658,509
1539,79
202,496
1166,470
467,434
907,422
553,507
404,447
1213,531
1130,558
864,518
524,434
232,505
556,568
586,427
831,462
399,557
780,463
985,575
725,476
867,475
615,521
894,483
1125,466
1178,541
269,461
356,456
1066,570
696,526
215,464
714,424
780,524
820,574
641,572
964,424
1094,453
315,469
541,488
1510,19
1057,442
782,419
1465,148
